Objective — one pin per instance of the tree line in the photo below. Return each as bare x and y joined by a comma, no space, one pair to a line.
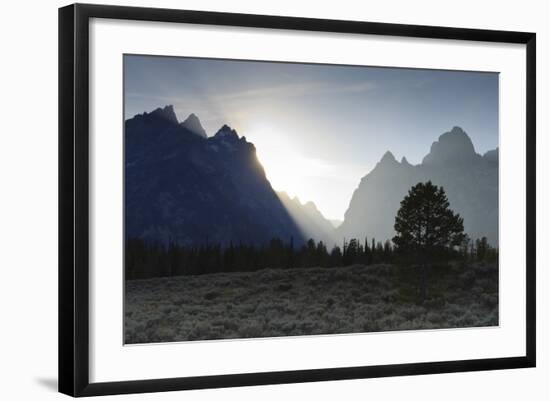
147,260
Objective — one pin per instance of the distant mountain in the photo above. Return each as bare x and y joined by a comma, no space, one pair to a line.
183,187
193,124
469,179
310,220
452,148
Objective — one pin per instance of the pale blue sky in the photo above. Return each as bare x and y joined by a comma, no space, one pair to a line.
319,129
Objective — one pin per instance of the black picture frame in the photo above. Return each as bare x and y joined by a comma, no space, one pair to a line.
74,198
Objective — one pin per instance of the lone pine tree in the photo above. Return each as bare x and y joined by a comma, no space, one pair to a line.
426,228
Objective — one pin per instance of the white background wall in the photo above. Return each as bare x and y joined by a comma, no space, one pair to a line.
28,200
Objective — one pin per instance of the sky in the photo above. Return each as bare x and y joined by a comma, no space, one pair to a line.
318,129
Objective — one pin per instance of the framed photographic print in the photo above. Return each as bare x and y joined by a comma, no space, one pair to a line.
249,199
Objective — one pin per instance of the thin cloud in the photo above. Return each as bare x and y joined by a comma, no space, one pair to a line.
293,90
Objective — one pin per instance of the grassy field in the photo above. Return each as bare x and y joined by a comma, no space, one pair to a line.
292,302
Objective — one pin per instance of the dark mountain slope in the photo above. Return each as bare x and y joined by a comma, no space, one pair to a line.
183,187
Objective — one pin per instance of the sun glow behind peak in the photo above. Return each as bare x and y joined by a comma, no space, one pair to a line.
292,170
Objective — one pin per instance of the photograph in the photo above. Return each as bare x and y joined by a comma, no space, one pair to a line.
272,199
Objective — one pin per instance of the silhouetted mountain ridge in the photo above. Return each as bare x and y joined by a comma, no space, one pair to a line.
166,113
185,188
310,220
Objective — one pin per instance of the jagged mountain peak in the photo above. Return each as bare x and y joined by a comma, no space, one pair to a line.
452,146
308,217
296,200
308,205
405,162
226,132
166,113
193,124
388,158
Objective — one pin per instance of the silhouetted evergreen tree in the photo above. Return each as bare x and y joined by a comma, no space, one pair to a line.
322,255
483,251
427,229
351,252
335,257
290,254
481,248
367,257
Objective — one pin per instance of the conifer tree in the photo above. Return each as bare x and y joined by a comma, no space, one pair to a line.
427,229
